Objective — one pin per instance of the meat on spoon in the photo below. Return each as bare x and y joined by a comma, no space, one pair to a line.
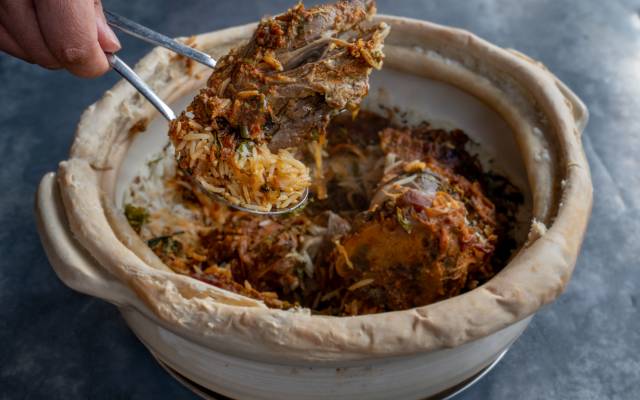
238,137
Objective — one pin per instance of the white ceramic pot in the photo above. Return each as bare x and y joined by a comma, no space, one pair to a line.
419,78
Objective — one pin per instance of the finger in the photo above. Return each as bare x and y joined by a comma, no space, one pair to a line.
20,21
11,47
106,37
69,28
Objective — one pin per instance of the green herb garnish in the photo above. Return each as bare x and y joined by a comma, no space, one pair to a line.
245,148
156,160
403,220
137,216
244,132
167,244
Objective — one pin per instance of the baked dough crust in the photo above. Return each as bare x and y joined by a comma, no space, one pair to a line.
546,118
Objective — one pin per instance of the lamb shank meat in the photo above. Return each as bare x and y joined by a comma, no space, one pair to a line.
428,235
279,90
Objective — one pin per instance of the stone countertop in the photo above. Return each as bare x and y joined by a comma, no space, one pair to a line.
59,344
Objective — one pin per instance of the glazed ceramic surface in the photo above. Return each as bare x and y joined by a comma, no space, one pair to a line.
404,377
241,375
414,377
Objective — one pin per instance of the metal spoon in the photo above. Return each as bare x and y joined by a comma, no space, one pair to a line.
148,35
128,74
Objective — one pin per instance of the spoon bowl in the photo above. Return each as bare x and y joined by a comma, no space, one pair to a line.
274,212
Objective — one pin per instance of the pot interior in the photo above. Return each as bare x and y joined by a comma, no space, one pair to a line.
413,99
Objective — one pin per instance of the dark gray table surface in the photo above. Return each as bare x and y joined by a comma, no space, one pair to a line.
58,344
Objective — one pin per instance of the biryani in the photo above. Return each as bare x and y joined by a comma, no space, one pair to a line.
239,137
409,217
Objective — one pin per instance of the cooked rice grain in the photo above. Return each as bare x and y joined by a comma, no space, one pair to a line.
253,177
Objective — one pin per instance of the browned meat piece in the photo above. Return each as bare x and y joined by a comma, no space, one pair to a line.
281,89
292,76
421,245
429,234
258,251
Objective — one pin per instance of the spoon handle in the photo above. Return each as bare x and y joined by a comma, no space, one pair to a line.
127,73
148,35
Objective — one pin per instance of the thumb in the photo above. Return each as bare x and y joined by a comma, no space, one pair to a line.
106,37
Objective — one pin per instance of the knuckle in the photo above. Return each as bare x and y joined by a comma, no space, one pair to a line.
75,56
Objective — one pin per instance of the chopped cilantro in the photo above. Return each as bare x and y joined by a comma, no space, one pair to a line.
137,216
296,211
151,163
165,243
245,148
402,220
300,272
244,132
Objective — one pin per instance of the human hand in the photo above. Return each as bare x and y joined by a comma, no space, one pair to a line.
69,34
